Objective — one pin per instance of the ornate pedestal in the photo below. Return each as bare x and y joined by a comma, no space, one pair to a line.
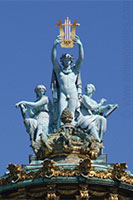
67,174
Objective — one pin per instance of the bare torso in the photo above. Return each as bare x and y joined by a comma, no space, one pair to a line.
67,82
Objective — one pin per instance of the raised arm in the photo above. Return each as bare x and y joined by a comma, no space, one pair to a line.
53,55
81,54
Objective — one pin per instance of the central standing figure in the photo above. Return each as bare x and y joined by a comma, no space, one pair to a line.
67,79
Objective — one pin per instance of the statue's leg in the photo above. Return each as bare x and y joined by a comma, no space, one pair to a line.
42,130
39,132
103,126
93,130
42,126
72,105
62,106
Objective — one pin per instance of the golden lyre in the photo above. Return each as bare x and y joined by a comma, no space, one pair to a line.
69,34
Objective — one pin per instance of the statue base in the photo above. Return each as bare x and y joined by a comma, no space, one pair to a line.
68,159
70,166
66,141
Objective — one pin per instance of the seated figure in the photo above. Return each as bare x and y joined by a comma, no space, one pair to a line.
39,112
90,117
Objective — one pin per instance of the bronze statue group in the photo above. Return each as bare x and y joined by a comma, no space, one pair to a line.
42,117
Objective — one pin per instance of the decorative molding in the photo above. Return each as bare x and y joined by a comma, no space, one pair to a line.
85,169
57,192
97,193
67,192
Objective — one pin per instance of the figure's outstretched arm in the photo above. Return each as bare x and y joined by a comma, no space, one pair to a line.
56,65
25,110
81,54
40,102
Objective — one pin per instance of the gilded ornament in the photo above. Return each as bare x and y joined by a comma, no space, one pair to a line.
95,148
112,197
51,193
119,170
67,35
52,196
84,167
47,169
83,193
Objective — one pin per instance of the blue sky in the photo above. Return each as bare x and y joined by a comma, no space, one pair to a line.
27,33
